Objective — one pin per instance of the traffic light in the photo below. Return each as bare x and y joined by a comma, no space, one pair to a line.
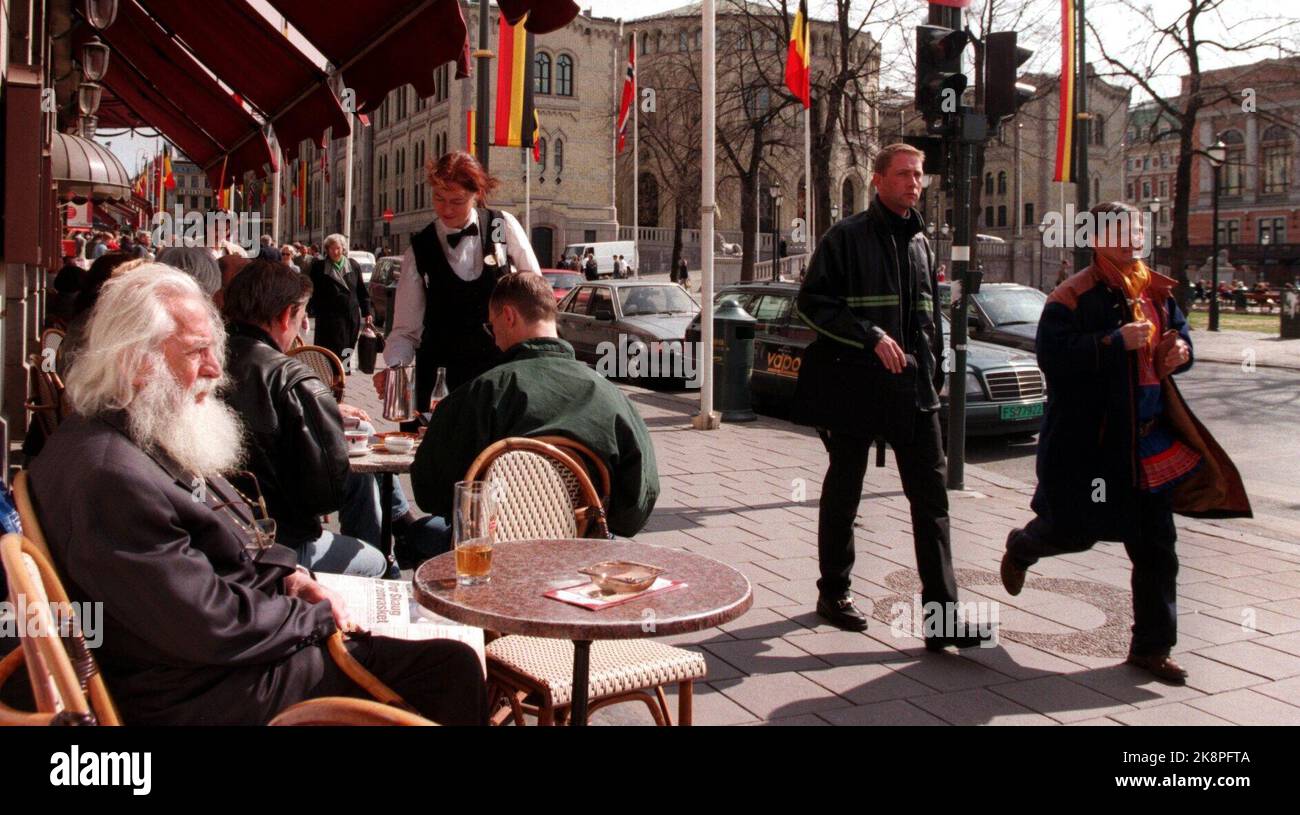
1003,95
939,80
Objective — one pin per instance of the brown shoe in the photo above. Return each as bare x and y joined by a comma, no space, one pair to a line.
1013,577
1161,666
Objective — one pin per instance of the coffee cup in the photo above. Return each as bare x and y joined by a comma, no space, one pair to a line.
358,441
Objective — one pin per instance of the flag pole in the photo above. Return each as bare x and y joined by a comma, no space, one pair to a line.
636,159
613,141
278,157
809,227
528,192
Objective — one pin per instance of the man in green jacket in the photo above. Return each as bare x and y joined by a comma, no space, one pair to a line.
538,389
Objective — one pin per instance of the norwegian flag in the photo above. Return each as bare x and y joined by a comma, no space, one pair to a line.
629,92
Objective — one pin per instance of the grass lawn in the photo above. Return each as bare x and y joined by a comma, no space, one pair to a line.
1230,320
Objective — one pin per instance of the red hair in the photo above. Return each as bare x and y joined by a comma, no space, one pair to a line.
463,170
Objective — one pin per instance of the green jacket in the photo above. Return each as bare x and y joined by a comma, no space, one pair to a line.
539,389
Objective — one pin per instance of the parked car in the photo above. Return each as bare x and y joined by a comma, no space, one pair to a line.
562,281
1005,391
366,261
383,288
623,313
1003,313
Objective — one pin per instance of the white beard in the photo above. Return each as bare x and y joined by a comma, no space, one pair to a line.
204,438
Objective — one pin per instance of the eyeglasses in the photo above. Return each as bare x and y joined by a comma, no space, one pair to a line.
260,526
491,332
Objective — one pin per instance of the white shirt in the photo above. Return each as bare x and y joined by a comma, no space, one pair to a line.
466,261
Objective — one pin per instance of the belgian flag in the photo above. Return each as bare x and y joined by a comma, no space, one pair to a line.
516,122
798,59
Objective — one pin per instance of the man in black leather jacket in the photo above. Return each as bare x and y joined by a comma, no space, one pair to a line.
874,371
294,427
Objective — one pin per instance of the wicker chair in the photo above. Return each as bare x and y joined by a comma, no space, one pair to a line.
34,543
325,364
335,711
50,406
595,465
64,677
534,675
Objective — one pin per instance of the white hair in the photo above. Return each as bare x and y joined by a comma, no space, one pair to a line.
125,333
336,238
288,247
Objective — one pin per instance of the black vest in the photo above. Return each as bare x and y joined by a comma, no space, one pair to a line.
454,312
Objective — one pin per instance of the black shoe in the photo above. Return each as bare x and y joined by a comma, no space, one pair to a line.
961,641
842,613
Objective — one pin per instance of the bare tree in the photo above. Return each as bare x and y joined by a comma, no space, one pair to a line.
1181,45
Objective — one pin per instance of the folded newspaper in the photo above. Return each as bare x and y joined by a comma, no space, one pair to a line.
387,609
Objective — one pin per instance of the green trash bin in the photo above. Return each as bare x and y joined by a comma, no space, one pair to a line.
733,361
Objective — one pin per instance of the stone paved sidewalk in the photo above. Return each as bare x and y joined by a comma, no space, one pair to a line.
747,495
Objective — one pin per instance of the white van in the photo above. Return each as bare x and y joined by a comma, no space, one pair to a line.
605,252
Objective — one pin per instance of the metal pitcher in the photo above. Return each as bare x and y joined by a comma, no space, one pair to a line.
399,394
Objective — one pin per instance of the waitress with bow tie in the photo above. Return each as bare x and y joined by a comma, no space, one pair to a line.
447,277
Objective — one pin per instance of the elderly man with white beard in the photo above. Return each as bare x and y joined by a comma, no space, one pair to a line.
205,621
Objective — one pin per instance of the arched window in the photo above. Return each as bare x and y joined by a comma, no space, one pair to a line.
1099,131
541,164
559,156
542,73
1096,189
1002,182
988,183
848,195
1232,177
564,75
683,42
648,199
1276,154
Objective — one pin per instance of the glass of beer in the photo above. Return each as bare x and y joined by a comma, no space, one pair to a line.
474,528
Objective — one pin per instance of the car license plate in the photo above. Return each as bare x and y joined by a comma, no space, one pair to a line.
1015,413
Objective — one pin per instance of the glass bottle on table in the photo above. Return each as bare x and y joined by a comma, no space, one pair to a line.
439,390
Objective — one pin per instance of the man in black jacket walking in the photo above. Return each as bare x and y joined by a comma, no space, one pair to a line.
874,371
296,447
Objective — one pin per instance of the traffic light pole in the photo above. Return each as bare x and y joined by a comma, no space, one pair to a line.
968,135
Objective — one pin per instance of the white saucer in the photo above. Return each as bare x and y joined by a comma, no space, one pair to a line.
358,453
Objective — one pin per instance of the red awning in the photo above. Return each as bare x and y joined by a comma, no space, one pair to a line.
164,87
383,44
251,56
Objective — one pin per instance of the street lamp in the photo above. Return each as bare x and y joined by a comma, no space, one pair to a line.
1217,155
775,192
100,13
94,60
1155,238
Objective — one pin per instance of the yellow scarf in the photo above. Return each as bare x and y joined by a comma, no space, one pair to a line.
1132,279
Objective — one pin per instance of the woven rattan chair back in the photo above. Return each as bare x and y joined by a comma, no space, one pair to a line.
325,364
595,466
536,497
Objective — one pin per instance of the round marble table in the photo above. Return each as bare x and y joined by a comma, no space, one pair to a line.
523,571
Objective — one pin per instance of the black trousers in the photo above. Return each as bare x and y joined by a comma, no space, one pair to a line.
922,466
441,679
1155,567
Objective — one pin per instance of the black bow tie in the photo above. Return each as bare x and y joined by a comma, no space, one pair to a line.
453,238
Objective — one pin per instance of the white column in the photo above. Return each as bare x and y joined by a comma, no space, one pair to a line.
276,175
708,158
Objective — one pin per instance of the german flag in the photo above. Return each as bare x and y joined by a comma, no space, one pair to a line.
798,59
1065,123
515,120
